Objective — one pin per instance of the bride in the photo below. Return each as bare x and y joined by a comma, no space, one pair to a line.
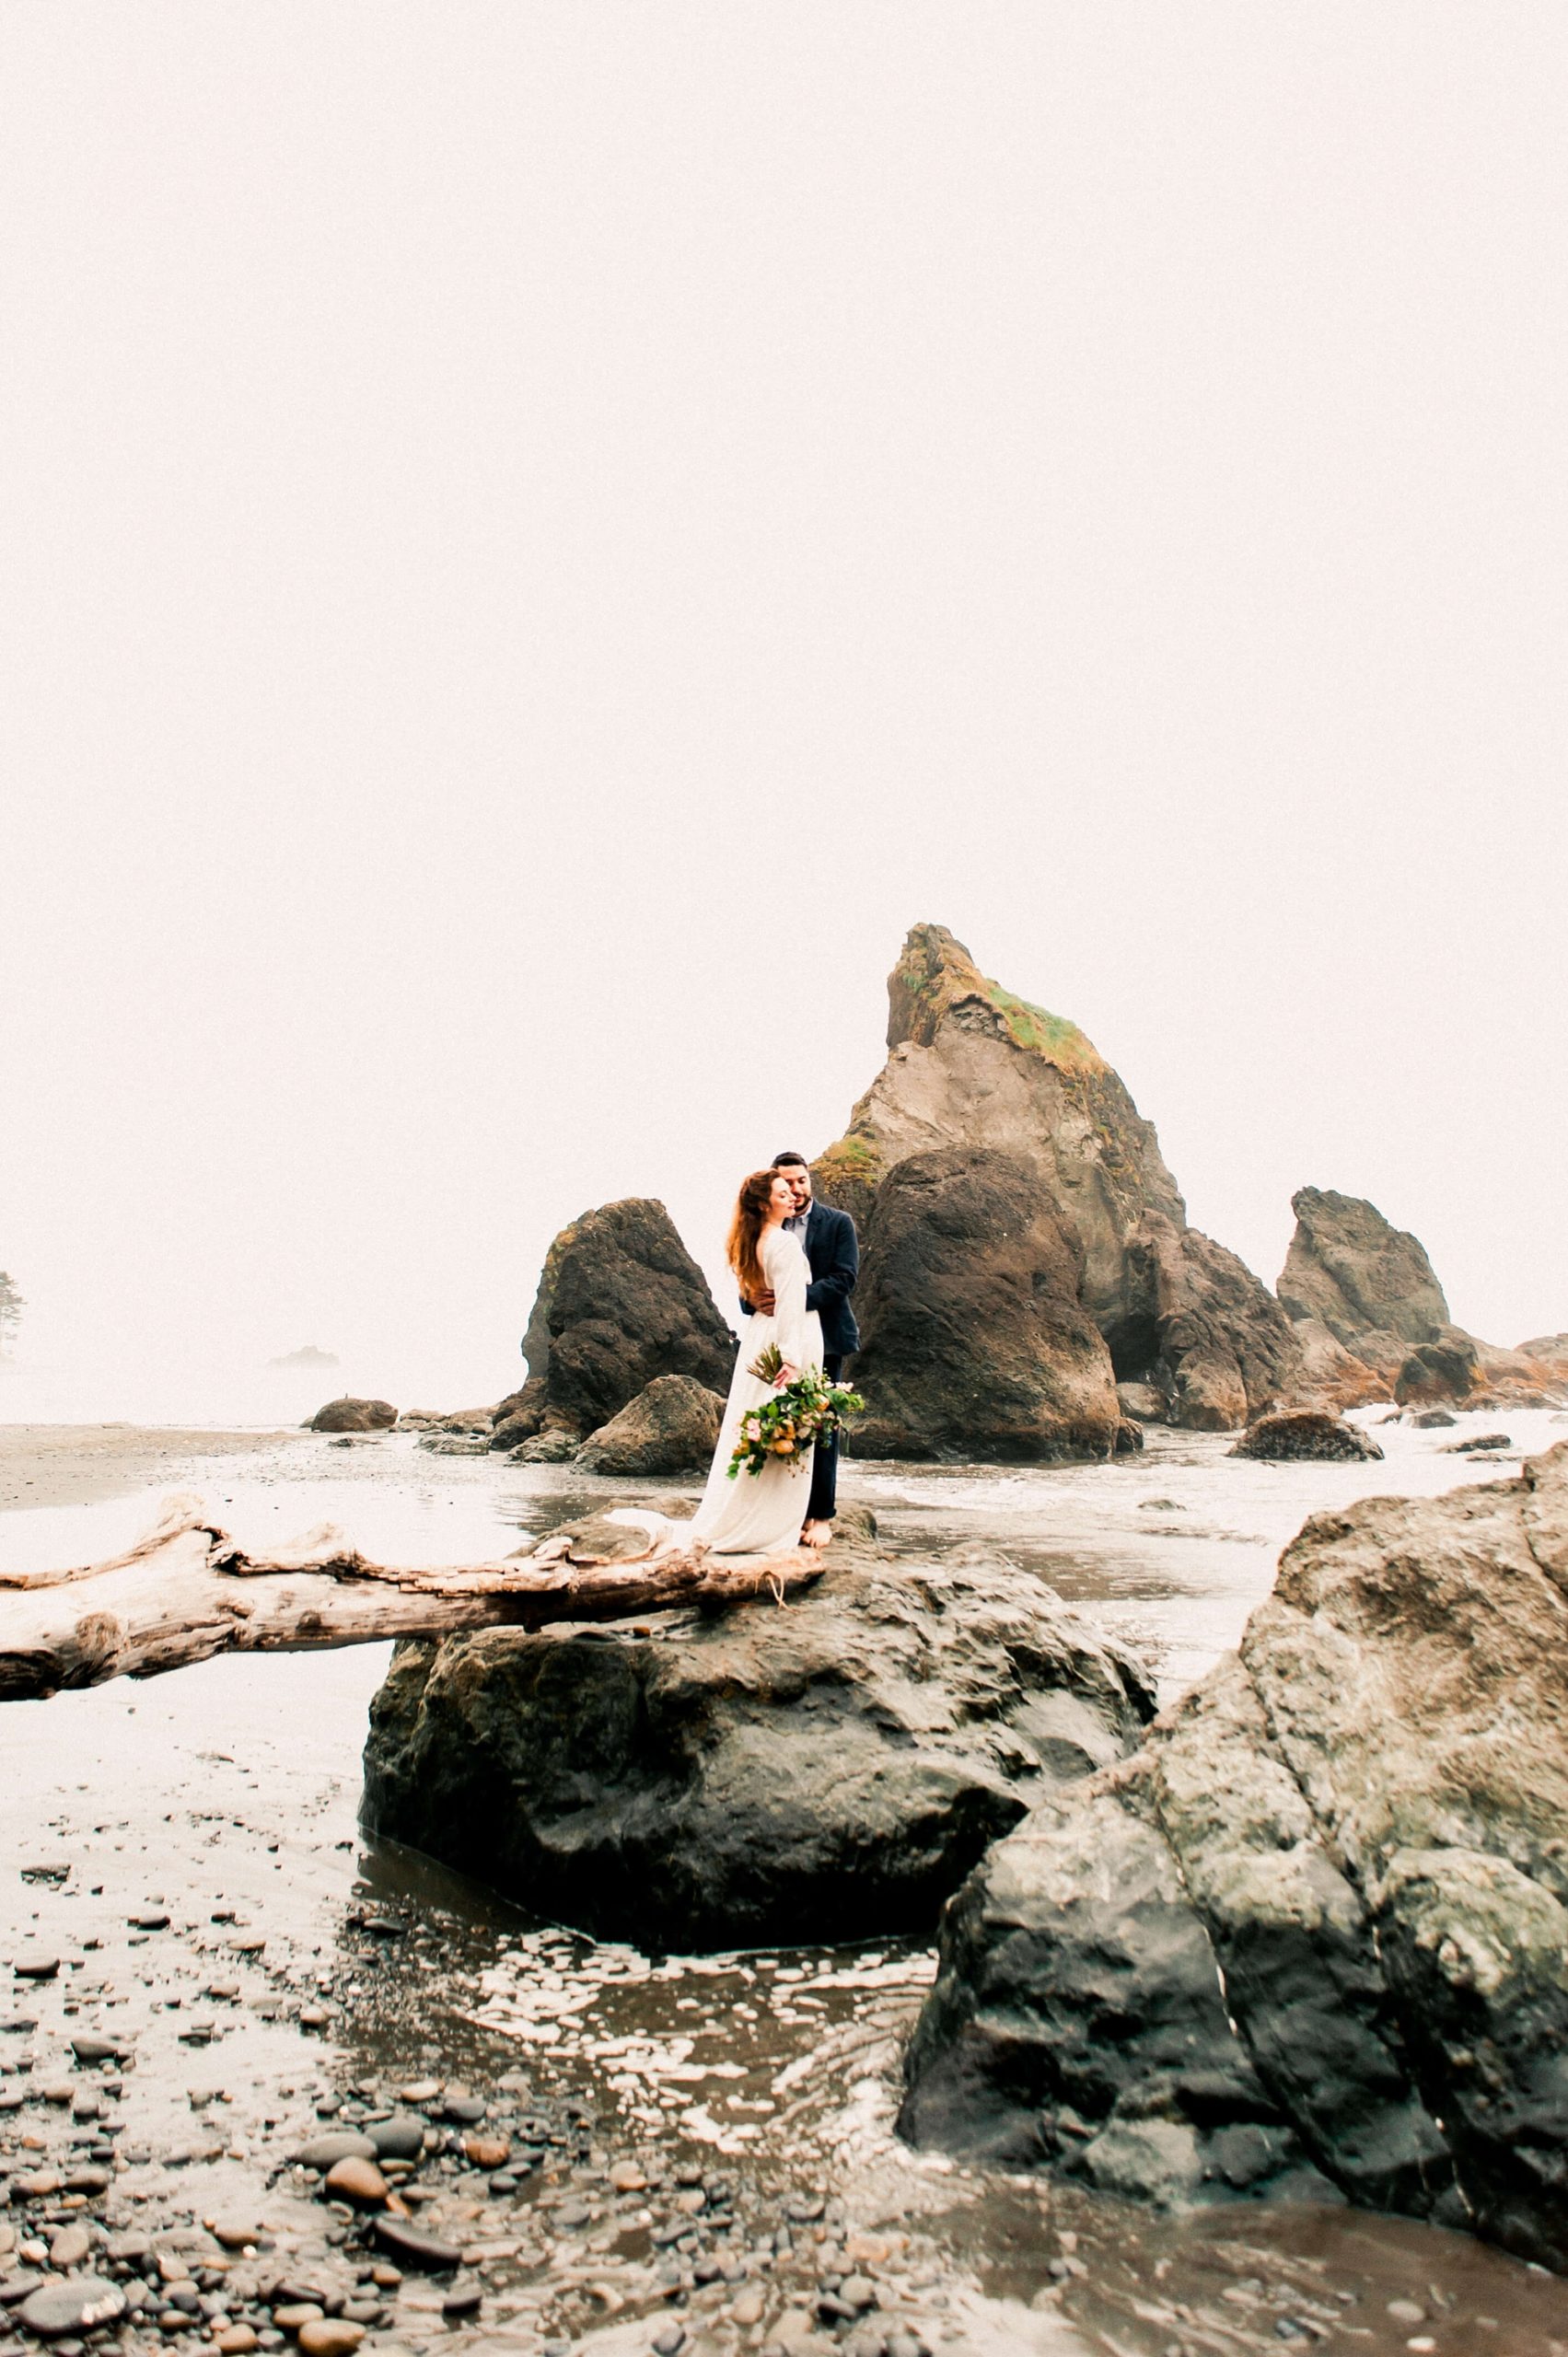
761,1513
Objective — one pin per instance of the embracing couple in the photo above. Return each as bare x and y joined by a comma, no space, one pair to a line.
796,1262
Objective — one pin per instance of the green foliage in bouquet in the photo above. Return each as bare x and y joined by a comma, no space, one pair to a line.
797,1416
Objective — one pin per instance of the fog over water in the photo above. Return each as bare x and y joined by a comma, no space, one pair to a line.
539,542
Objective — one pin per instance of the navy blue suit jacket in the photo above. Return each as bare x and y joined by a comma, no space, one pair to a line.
832,1255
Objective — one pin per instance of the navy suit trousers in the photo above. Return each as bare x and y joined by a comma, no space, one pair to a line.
825,1459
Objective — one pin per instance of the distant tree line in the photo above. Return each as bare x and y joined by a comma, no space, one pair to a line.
11,1309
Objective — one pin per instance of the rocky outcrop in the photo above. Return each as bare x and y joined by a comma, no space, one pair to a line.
972,1066
621,1301
672,1426
1291,1434
1438,1371
1370,1284
1325,1906
1371,1319
354,1416
970,1303
816,1774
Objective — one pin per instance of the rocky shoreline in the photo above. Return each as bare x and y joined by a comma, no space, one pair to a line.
353,1978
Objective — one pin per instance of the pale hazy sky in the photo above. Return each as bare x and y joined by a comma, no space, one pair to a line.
538,539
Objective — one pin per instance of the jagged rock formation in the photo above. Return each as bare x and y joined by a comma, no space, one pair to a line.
970,1303
813,1775
970,1065
1326,1903
621,1301
1372,1320
1370,1284
672,1426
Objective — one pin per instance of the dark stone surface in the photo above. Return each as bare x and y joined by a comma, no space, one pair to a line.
1354,1829
672,1426
620,1302
1291,1434
823,1772
975,1342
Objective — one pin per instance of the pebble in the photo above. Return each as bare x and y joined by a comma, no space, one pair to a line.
858,2292
357,2180
463,2111
746,2307
294,2313
401,2138
1407,2312
805,2209
627,2177
155,1921
236,2341
462,2299
487,2151
668,2340
95,2050
35,1967
330,2337
55,2310
324,2152
422,2092
415,2246
234,2234
70,2247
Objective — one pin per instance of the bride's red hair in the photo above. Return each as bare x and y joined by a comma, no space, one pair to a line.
745,1232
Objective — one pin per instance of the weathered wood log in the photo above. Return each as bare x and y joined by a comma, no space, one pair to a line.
187,1591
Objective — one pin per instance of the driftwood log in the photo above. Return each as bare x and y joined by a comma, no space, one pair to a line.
187,1591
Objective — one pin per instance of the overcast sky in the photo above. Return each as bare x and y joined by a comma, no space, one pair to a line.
538,540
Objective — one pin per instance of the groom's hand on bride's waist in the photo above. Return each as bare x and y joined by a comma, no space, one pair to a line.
764,1303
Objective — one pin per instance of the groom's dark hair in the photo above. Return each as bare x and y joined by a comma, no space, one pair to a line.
784,1161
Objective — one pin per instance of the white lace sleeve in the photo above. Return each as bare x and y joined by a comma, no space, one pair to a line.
785,1265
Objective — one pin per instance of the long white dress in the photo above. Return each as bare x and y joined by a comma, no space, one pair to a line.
761,1513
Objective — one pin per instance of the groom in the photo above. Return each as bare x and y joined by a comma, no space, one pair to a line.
832,1252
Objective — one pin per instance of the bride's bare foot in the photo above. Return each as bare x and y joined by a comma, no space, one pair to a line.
817,1534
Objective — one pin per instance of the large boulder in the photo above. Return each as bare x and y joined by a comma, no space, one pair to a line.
976,1342
672,1426
621,1301
1369,1283
971,1065
354,1416
1319,1921
823,1773
1291,1434
1437,1371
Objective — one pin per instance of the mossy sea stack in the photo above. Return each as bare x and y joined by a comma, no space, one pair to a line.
973,1066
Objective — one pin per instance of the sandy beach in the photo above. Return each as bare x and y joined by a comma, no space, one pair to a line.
81,1465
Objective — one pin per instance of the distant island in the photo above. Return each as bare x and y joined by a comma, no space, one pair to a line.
308,1358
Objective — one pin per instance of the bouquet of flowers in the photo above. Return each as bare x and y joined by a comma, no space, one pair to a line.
797,1415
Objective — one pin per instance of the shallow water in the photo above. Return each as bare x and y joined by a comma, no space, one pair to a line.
231,1789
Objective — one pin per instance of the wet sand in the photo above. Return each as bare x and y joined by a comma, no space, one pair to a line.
698,2153
78,1465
